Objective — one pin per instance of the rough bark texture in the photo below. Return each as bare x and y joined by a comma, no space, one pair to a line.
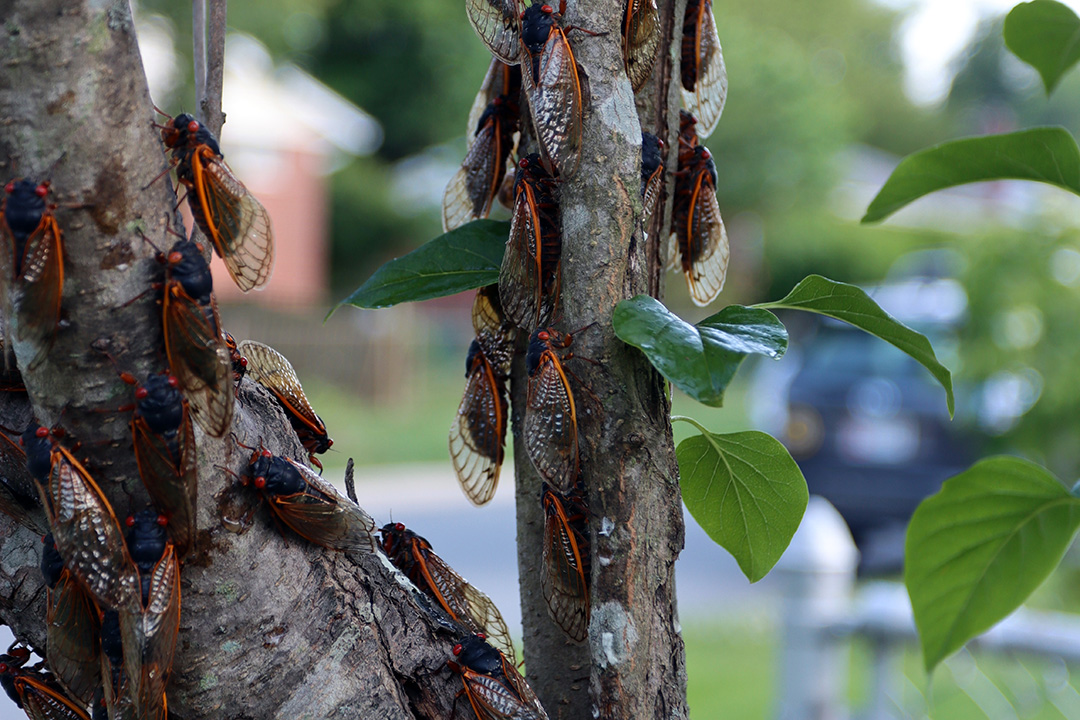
634,658
271,626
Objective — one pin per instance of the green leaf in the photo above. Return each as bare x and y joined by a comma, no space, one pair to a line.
462,259
979,547
746,492
1046,154
1046,35
845,302
698,359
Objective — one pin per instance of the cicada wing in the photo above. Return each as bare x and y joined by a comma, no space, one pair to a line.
707,270
45,701
199,360
149,636
564,581
519,277
501,79
487,312
18,494
556,105
323,516
650,194
551,424
273,371
530,703
457,206
169,472
471,191
497,23
495,699
87,534
234,220
641,40
464,602
706,100
71,633
38,292
479,433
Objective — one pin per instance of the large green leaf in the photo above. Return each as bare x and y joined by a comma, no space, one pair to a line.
978,548
698,359
1046,35
848,303
1046,154
462,259
746,492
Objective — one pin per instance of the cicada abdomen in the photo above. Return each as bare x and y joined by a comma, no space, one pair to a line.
703,75
640,40
567,562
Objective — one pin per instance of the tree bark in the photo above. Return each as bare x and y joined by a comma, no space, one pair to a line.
634,659
271,626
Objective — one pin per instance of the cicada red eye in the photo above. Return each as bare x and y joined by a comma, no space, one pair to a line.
41,190
547,9
141,393
175,258
400,527
543,335
193,126
260,482
266,453
4,666
162,520
706,154
523,163
457,651
173,382
42,432
243,362
10,187
130,521
482,636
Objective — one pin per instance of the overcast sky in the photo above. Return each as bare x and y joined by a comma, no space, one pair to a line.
934,32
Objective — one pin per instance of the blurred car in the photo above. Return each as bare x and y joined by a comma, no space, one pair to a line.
867,424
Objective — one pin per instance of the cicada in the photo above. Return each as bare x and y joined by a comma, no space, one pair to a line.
529,278
148,632
36,690
310,506
549,74
652,171
34,254
413,555
492,684
273,371
551,438
640,40
71,626
478,435
194,347
700,247
474,187
497,24
234,221
567,563
239,362
18,496
704,77
115,700
165,453
87,533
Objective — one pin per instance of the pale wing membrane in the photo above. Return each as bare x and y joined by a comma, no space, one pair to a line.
472,608
324,517
487,315
551,424
641,40
710,91
496,22
563,581
38,295
71,628
555,104
519,277
273,370
490,87
149,636
470,192
477,435
200,362
708,268
457,206
244,229
500,701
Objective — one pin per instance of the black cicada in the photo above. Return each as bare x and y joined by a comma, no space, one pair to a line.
71,626
492,684
567,563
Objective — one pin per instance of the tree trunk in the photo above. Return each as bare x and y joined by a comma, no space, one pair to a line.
634,660
272,626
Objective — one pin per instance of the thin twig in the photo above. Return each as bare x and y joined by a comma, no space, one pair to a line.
350,484
198,39
210,102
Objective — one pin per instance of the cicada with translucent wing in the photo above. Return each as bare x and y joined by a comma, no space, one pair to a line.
550,434
71,626
87,533
36,690
567,563
148,632
529,277
234,221
652,171
165,452
700,249
478,435
497,23
640,40
471,192
273,371
492,684
116,699
18,496
549,74
413,555
239,362
195,350
310,506
704,77
34,260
